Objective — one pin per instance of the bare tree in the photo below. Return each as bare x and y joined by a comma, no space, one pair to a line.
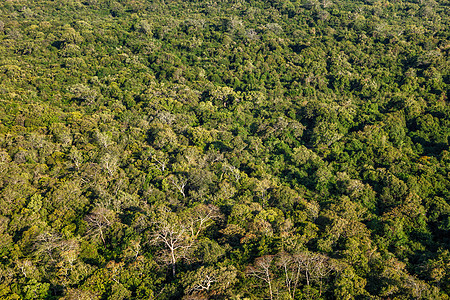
78,294
103,139
215,280
170,231
415,286
285,261
314,266
99,220
161,160
261,270
68,252
134,249
178,233
179,182
76,157
234,171
312,209
46,243
84,93
200,217
26,267
262,187
205,278
57,252
110,163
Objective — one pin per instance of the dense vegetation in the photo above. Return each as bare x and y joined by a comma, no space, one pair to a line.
225,150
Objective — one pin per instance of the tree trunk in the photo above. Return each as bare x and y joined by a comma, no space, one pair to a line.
173,263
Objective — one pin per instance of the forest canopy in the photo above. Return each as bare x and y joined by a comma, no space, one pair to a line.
224,150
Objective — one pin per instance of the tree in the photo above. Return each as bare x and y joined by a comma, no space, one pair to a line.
315,267
169,230
291,272
84,93
261,269
200,217
145,27
161,159
79,294
178,233
110,163
211,280
99,220
76,157
180,182
348,285
46,244
200,280
103,139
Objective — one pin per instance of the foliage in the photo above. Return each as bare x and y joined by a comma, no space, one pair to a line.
243,149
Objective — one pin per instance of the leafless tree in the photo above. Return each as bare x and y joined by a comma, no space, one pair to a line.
291,271
180,182
78,294
99,220
178,233
206,277
161,160
26,267
261,270
215,280
84,93
200,217
103,139
416,286
76,157
46,243
313,208
134,250
234,171
110,163
314,266
172,233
